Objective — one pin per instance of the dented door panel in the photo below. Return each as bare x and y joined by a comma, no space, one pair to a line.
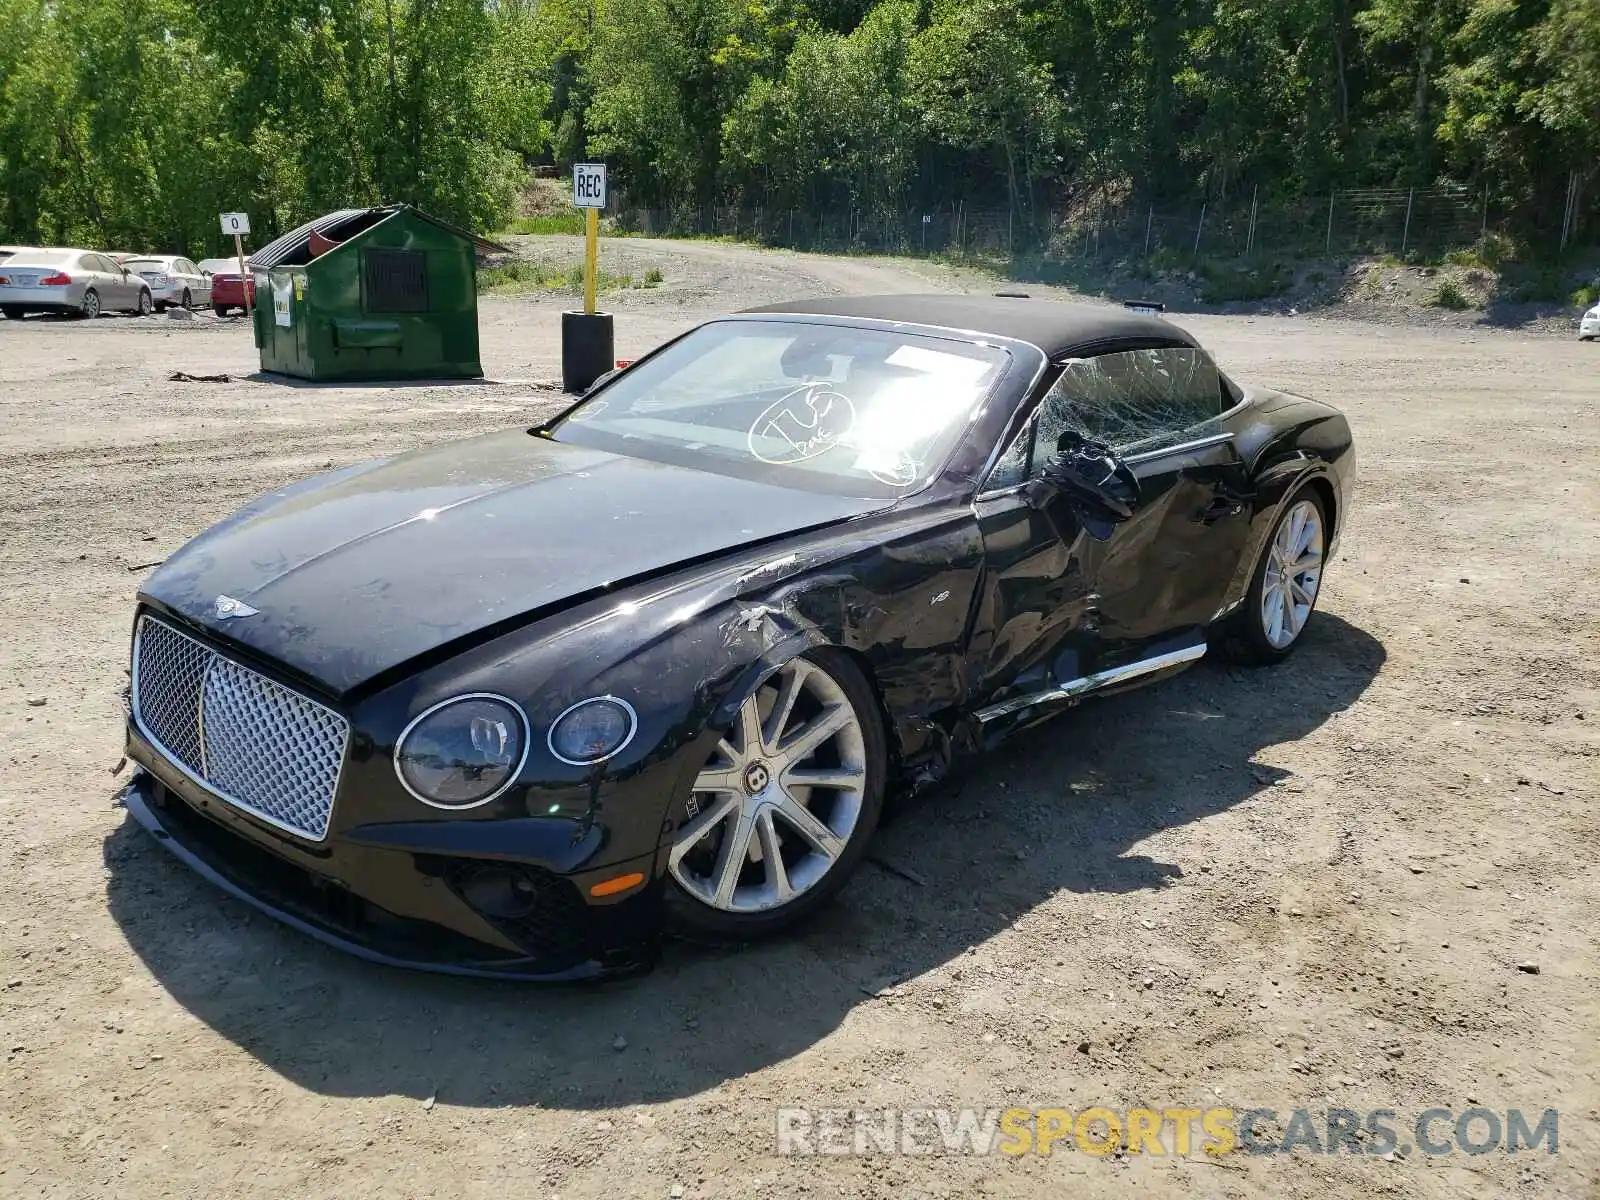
1038,609
1166,572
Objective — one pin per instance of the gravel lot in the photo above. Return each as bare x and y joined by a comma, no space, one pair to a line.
1310,886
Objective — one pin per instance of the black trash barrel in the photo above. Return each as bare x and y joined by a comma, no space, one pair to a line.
587,349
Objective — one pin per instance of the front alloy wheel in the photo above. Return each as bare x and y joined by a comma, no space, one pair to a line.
782,811
145,304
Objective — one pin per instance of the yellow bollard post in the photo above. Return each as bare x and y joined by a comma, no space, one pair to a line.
591,259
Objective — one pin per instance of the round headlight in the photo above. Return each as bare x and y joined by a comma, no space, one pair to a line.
592,730
463,752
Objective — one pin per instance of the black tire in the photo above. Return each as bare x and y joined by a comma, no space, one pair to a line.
14,312
221,310
161,306
1244,636
695,920
90,307
186,298
146,303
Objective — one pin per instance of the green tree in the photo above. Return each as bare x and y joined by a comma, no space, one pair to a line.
1494,78
980,89
665,74
836,129
1408,42
1567,54
130,125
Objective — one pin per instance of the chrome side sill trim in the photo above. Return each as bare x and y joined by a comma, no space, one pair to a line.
1093,683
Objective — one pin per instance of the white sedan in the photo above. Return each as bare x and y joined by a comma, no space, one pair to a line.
172,280
1589,326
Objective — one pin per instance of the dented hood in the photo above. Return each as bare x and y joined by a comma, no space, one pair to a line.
354,573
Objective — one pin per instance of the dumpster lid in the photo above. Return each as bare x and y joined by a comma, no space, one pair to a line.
293,248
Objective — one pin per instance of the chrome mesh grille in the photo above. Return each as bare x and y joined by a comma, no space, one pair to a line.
173,671
257,745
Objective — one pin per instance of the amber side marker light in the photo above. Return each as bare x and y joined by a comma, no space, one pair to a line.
610,887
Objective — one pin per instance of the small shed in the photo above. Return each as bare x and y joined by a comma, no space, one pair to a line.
370,293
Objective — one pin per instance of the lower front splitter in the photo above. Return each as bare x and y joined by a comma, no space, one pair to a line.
255,888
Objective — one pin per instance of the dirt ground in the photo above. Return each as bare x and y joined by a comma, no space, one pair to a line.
1308,886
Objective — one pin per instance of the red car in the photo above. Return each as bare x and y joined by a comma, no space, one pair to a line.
228,288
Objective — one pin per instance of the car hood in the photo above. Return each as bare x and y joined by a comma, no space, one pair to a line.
354,573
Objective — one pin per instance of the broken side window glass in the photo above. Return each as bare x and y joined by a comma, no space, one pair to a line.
1133,400
1012,466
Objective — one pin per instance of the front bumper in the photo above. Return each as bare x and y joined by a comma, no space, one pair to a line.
1589,328
408,907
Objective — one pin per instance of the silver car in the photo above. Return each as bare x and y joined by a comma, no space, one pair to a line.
172,280
77,283
215,266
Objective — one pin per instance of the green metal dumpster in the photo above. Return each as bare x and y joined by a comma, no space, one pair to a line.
376,293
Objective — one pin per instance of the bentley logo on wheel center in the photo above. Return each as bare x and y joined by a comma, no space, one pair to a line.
756,778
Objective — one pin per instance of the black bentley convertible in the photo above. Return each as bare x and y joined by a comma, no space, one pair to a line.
515,705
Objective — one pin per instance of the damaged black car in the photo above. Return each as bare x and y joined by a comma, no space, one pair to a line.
520,704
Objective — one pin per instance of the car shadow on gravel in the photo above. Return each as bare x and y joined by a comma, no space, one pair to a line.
1063,808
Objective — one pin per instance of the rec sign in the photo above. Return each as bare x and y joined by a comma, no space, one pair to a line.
589,185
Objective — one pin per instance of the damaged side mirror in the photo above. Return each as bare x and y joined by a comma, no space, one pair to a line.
1088,477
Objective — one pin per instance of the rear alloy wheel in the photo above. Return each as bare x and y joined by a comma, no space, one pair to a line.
90,308
1284,589
146,304
782,811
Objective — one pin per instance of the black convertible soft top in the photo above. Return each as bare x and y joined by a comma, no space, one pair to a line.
1057,329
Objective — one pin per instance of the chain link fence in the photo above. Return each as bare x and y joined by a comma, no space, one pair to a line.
1398,221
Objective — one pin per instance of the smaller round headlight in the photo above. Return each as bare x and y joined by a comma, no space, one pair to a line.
593,730
463,752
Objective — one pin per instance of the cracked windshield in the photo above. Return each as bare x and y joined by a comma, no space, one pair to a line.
825,407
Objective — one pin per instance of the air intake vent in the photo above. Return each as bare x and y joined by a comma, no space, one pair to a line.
395,281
